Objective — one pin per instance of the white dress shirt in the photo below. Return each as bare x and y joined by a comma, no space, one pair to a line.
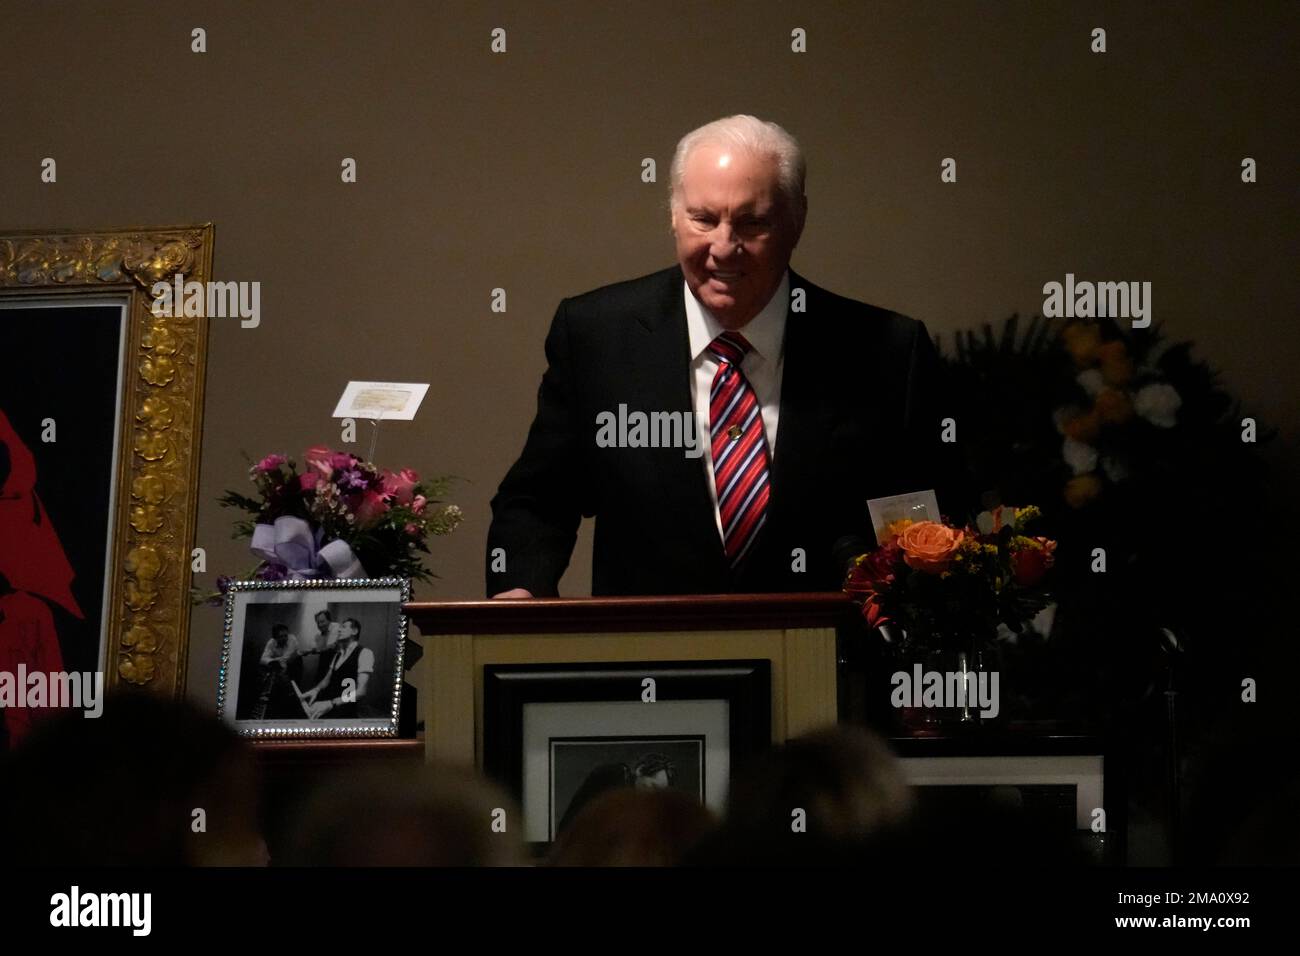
762,367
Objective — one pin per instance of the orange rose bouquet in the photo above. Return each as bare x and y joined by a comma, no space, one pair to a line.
947,587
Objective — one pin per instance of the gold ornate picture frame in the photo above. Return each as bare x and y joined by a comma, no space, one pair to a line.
58,330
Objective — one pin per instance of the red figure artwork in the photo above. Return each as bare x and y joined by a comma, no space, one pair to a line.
33,566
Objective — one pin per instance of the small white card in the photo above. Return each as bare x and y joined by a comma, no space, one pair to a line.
381,400
917,505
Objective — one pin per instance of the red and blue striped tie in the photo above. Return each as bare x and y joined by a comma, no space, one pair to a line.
740,455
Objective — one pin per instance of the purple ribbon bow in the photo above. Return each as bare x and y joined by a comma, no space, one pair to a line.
291,542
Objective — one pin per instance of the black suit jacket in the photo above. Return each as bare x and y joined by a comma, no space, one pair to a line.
861,405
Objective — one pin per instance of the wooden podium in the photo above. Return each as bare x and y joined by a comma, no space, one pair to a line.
795,633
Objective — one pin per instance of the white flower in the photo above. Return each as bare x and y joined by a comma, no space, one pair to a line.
1063,415
1154,356
985,520
1091,381
1081,457
1043,620
1115,469
1158,404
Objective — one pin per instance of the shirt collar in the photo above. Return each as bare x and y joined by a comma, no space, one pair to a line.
764,331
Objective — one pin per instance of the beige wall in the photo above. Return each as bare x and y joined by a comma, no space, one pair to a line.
522,171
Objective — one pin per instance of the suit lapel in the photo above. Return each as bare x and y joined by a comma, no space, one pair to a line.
664,374
803,430
804,425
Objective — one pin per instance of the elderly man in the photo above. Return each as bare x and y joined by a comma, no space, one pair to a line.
806,404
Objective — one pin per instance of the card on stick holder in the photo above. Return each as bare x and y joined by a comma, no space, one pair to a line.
917,505
380,401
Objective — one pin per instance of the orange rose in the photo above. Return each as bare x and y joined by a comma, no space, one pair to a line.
1112,350
1081,489
1082,340
1117,371
1084,427
929,546
1113,406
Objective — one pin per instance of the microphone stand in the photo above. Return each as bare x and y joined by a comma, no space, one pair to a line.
1173,647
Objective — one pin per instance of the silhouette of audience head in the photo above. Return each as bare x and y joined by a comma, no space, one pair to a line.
633,827
412,815
150,782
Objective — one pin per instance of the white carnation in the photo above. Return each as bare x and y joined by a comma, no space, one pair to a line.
1115,469
1091,381
1080,456
1158,404
985,520
1063,415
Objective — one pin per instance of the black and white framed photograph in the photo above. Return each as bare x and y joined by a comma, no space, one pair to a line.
559,735
314,658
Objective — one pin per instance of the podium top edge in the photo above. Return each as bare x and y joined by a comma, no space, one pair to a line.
640,613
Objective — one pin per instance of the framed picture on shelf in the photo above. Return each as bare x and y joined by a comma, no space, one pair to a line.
558,735
314,658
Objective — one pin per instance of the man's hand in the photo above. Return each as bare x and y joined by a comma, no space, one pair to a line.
514,593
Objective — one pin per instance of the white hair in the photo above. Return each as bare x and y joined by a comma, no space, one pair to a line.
757,137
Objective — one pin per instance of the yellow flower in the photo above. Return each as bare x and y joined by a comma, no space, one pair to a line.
1027,513
895,528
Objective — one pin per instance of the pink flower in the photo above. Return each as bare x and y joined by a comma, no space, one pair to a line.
412,530
418,504
342,460
871,578
271,463
874,612
371,509
1031,563
401,485
318,457
307,480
